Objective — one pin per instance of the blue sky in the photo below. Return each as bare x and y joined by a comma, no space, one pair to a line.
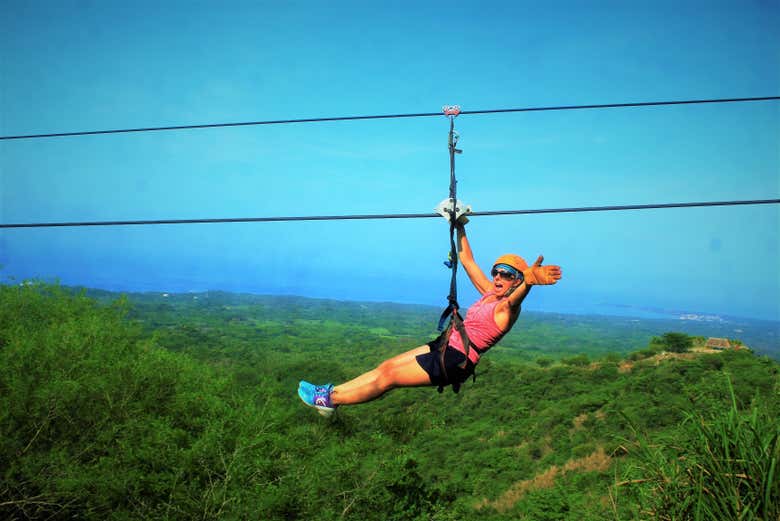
101,65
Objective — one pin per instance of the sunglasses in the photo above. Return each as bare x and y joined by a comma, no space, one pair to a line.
505,275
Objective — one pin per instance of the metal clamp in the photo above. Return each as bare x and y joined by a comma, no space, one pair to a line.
445,209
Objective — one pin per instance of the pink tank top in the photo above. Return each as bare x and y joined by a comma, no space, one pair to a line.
481,328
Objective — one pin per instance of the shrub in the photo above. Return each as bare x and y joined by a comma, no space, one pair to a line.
724,467
676,342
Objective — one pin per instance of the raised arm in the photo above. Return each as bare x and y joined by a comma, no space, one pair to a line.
518,295
534,275
478,278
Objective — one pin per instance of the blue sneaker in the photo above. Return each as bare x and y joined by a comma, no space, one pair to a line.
317,396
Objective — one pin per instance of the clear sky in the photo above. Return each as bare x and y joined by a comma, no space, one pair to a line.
70,66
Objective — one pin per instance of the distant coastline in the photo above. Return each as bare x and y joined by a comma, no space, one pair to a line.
763,336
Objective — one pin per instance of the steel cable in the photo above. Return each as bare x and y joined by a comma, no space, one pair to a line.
387,116
388,216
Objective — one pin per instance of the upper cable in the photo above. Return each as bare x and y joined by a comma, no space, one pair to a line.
387,116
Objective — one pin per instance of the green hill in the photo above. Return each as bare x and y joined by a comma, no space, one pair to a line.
536,334
184,407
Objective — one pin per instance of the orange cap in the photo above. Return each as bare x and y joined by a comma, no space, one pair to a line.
516,261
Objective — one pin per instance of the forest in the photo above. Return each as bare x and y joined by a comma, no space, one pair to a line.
184,406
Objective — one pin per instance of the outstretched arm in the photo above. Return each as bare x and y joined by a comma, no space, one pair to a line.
538,275
518,295
478,278
534,275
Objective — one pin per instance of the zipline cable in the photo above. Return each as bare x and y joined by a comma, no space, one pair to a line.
390,216
389,116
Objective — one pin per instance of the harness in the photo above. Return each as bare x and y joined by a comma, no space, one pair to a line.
452,209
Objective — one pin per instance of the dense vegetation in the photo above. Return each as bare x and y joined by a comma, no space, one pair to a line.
185,408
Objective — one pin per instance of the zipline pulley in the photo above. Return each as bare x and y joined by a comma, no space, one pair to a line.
451,110
448,206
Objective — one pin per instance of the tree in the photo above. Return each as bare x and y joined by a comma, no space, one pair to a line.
544,361
577,360
677,342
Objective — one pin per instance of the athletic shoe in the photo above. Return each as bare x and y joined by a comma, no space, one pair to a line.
306,391
317,396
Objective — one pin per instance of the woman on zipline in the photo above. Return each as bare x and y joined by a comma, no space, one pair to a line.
486,322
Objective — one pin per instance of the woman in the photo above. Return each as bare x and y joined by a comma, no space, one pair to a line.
486,322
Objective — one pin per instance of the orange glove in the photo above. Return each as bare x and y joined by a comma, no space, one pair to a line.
542,275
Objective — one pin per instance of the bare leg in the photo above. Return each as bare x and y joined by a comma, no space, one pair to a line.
371,376
399,371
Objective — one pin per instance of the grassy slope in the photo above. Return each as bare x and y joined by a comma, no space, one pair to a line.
196,414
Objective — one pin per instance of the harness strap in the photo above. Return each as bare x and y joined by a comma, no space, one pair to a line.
451,311
456,323
452,298
452,142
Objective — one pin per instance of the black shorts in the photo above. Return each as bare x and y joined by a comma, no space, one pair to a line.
454,375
